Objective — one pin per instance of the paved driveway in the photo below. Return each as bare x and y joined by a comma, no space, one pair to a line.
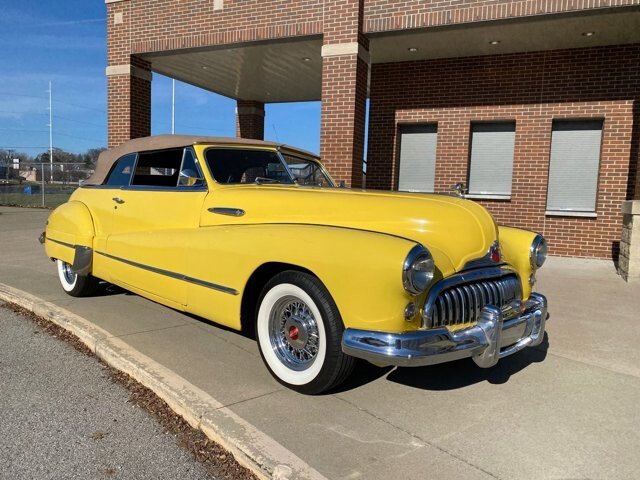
63,418
568,409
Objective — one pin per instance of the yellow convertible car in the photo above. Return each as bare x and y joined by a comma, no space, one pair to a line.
256,236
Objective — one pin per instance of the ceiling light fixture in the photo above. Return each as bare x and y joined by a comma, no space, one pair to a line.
306,59
494,42
412,49
588,34
204,67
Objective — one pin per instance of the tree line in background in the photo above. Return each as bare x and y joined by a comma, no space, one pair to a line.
88,158
67,166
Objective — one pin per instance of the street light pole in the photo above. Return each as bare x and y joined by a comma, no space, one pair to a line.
173,106
50,134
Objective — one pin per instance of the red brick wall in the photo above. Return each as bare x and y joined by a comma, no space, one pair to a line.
344,92
171,24
533,89
250,120
129,108
383,15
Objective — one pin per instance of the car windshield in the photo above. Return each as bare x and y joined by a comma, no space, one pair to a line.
239,165
307,172
236,165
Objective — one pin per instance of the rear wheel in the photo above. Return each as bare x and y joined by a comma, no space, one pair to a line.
74,284
299,332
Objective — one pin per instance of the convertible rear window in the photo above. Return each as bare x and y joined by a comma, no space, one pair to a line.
235,165
120,174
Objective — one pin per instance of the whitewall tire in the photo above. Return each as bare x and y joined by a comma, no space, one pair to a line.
299,333
73,284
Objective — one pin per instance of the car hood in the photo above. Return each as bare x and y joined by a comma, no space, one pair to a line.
451,227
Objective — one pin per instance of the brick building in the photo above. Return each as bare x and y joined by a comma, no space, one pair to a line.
532,104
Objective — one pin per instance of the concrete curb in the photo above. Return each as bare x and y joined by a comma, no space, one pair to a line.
251,447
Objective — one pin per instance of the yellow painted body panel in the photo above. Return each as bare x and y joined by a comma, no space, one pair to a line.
361,270
515,244
71,223
168,245
461,229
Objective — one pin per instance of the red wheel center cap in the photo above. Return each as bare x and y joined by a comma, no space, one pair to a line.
294,333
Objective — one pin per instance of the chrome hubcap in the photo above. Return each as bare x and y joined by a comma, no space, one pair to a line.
293,332
69,276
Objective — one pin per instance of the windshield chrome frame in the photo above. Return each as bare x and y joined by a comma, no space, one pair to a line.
330,182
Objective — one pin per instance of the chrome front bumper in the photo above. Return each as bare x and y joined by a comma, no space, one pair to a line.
498,333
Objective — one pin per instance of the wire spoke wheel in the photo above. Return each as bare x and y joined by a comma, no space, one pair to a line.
299,333
293,332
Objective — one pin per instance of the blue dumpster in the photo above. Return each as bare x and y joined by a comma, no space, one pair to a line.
31,189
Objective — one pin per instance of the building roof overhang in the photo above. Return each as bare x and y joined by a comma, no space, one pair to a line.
290,70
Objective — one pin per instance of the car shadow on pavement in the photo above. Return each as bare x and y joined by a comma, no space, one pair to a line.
107,289
463,373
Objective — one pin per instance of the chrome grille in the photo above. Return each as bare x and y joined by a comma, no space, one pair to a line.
462,303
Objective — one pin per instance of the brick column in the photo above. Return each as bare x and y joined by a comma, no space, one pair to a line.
345,68
629,260
129,103
250,119
128,79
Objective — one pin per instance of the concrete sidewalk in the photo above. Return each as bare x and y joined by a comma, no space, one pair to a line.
566,410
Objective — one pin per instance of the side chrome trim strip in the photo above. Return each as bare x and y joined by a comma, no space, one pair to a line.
64,244
178,276
82,260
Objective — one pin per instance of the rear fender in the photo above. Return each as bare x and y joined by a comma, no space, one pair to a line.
69,236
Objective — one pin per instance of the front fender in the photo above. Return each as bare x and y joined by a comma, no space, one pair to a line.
362,270
515,245
69,235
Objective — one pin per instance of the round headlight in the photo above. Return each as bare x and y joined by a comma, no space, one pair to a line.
538,252
417,271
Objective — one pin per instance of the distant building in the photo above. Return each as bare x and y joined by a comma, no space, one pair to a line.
532,104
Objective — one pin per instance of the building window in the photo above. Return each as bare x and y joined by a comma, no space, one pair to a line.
573,168
491,162
417,158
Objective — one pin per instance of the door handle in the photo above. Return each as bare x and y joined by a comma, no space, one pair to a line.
232,212
118,200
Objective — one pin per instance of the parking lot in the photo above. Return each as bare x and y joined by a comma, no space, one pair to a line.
567,409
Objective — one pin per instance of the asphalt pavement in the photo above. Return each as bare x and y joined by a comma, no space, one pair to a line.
63,418
565,410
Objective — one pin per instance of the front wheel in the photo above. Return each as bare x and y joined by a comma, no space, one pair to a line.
73,284
299,332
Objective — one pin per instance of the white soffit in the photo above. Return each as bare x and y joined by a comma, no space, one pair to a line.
530,35
270,72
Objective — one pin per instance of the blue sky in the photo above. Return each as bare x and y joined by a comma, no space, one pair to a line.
65,42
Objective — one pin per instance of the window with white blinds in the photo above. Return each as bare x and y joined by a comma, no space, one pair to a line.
417,158
574,165
491,164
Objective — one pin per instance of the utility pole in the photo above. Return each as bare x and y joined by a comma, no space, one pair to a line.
50,135
173,106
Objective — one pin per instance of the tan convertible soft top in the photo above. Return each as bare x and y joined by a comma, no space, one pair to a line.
160,142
